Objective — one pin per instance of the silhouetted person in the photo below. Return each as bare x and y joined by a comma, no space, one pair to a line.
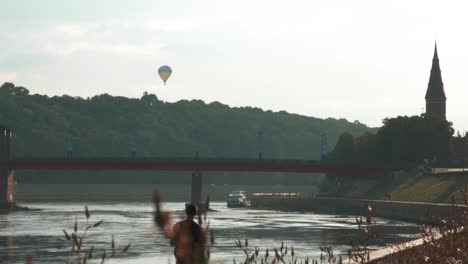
188,239
387,196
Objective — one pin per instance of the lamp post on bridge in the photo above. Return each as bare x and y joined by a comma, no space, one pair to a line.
133,146
5,135
464,150
260,145
324,146
70,146
3,169
6,174
197,179
2,143
196,143
8,144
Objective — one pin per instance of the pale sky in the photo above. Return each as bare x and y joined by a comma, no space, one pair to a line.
360,60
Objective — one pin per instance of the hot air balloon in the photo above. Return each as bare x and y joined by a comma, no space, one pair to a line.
164,72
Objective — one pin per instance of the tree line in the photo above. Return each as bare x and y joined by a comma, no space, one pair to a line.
103,125
401,141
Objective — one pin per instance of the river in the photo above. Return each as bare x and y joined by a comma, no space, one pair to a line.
39,232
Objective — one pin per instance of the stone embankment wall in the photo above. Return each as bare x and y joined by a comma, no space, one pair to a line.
407,211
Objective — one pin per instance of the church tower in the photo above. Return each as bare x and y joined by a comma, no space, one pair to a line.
435,95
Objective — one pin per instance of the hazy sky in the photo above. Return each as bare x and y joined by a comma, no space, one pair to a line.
359,60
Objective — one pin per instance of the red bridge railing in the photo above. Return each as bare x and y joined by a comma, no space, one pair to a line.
187,164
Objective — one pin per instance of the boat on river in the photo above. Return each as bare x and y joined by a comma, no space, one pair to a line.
238,199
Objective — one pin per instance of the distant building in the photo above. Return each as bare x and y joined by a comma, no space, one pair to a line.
436,107
460,149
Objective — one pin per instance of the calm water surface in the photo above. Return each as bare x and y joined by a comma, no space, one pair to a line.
40,232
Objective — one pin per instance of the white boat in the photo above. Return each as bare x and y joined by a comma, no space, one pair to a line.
237,199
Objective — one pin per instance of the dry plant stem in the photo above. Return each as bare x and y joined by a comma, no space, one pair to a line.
358,253
78,253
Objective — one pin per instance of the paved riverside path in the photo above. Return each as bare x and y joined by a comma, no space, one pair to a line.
448,170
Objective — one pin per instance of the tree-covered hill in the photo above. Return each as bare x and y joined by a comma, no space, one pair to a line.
103,126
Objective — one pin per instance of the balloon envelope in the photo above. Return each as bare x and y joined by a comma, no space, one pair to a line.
164,72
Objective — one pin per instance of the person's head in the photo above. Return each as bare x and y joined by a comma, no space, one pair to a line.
190,210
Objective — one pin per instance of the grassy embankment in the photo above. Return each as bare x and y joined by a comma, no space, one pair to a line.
136,192
411,186
437,188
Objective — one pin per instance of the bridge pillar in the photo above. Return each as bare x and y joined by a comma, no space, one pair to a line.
6,188
197,188
3,188
6,174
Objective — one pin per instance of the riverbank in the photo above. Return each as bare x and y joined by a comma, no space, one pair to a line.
411,186
415,212
438,188
6,208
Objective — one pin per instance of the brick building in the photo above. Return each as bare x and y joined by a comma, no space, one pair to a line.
460,149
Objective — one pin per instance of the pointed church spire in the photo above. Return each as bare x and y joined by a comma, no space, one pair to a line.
435,89
436,56
435,95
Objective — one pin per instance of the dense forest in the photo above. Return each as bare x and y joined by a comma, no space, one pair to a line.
104,125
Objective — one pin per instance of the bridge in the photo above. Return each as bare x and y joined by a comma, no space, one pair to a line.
195,165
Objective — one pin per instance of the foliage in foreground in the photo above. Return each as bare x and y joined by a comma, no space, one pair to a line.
81,253
358,252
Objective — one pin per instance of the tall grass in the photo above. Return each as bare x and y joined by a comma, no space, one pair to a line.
81,252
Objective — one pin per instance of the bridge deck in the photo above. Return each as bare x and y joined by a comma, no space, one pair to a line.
186,164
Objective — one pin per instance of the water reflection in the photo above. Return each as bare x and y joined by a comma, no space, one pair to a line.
6,242
40,232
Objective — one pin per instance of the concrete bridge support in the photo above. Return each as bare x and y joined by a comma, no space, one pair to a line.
197,188
6,189
3,188
6,174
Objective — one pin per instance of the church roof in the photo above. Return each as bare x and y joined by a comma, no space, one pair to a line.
435,88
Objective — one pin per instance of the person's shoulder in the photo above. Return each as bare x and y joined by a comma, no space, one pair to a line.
178,224
183,223
196,225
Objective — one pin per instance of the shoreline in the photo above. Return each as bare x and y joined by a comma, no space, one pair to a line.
136,192
15,207
415,212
